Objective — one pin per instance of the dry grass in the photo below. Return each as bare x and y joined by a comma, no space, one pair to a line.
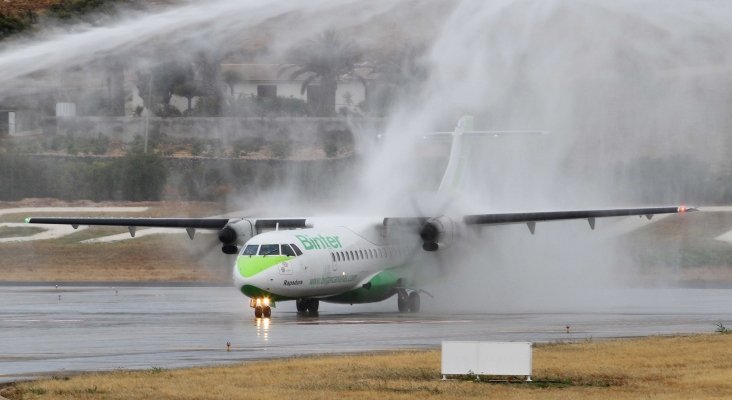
698,367
153,258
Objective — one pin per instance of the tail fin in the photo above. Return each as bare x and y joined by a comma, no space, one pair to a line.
456,164
456,171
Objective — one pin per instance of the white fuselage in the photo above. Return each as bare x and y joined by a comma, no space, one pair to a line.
319,262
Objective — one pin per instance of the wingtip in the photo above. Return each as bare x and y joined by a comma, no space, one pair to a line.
27,220
684,209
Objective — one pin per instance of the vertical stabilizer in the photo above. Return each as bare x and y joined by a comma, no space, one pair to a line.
457,163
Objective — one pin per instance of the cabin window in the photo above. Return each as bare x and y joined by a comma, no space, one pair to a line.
332,255
250,250
287,250
353,256
346,256
338,256
269,250
360,252
297,249
371,253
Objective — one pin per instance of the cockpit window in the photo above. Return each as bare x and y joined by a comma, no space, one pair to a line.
297,249
269,250
287,251
250,250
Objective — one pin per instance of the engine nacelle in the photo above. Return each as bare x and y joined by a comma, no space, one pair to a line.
235,233
438,233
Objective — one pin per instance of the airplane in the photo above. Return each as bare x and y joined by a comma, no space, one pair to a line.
349,260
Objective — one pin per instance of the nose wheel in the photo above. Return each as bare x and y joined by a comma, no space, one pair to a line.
262,307
262,311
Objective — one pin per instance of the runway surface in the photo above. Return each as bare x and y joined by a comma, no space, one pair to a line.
46,331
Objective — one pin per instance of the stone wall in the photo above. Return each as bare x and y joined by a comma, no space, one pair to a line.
188,178
224,129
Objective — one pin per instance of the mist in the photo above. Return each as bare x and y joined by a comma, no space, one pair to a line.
620,86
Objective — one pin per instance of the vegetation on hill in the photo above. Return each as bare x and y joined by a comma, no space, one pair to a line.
22,15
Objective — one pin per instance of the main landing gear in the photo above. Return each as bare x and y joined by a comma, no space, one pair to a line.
407,302
307,306
262,308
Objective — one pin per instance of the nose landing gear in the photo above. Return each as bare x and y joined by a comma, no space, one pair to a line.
262,308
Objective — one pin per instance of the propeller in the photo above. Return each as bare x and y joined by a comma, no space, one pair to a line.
428,230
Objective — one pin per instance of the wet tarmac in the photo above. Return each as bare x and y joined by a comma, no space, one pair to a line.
47,331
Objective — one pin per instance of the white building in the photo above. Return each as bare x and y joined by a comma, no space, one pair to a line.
262,80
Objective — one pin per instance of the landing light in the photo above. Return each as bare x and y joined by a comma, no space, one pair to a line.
683,209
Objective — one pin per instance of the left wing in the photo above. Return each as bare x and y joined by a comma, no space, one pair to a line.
435,231
590,215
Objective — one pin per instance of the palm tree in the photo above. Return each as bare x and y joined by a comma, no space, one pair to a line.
325,59
232,78
188,89
401,71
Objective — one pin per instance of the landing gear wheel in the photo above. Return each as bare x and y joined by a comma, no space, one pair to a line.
313,306
301,305
266,311
307,306
414,302
258,312
403,302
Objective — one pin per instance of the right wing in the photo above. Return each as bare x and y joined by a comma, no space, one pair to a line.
232,232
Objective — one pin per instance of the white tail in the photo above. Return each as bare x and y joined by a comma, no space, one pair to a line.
458,162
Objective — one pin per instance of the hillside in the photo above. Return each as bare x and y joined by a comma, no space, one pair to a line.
18,16
24,8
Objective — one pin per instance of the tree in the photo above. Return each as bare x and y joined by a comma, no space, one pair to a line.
231,78
189,90
401,71
326,59
164,78
208,68
115,72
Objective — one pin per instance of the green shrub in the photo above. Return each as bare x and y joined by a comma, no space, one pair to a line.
100,145
196,148
144,176
281,148
247,145
10,25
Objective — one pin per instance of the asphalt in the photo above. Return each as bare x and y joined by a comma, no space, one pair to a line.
49,331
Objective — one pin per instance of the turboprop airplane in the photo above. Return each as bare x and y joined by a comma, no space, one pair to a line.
348,260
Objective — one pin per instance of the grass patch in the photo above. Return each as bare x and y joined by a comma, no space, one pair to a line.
8,231
152,258
658,367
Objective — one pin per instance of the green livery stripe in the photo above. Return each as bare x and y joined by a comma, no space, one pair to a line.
249,266
383,286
